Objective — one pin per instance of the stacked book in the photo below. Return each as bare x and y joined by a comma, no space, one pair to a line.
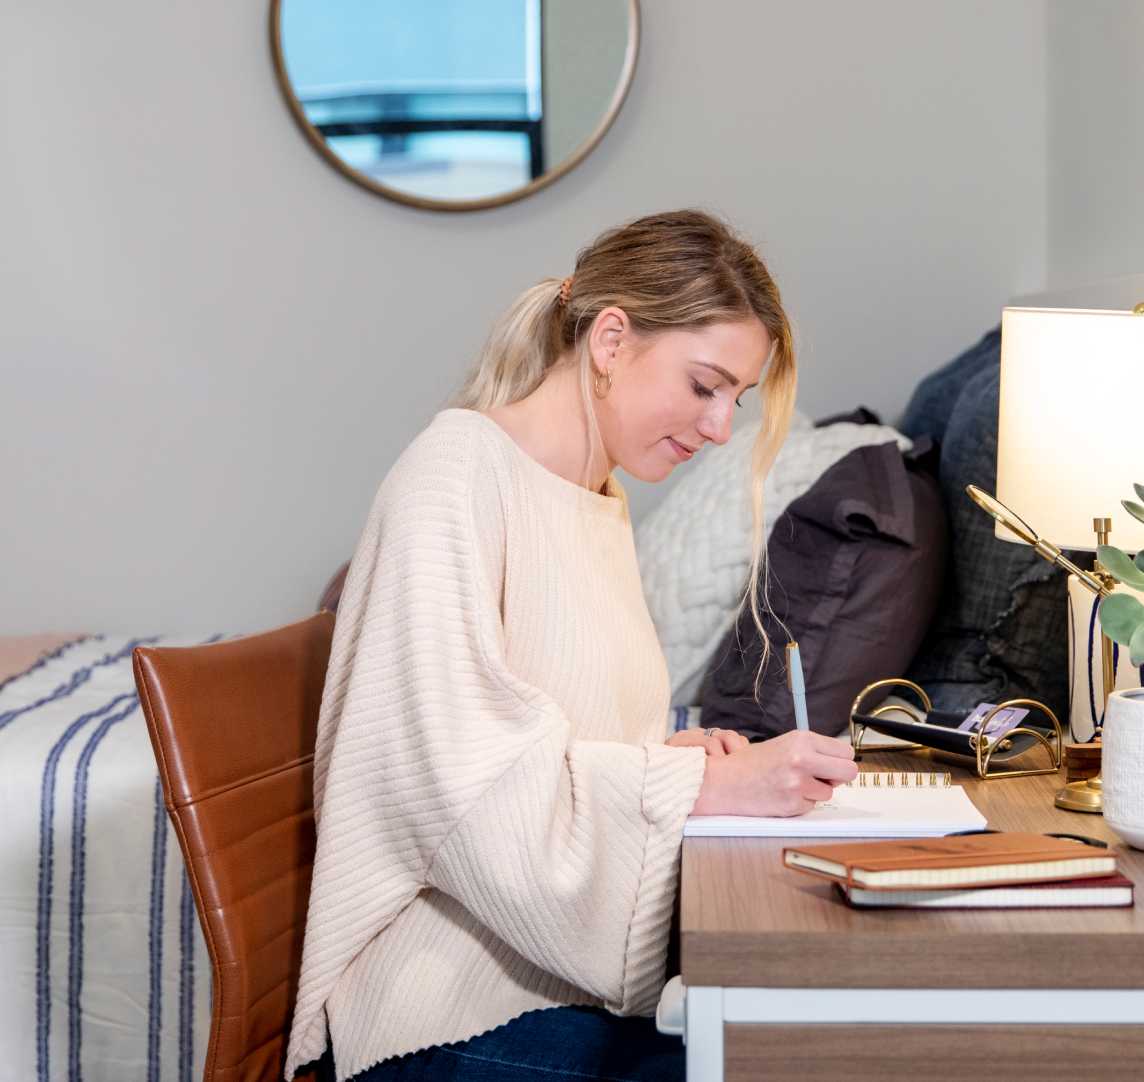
975,871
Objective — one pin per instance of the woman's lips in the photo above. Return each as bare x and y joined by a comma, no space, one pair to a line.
682,453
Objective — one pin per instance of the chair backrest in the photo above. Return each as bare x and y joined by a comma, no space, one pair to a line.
233,726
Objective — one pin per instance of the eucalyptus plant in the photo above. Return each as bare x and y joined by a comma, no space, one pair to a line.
1121,615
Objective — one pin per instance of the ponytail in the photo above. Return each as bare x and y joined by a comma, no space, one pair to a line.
518,352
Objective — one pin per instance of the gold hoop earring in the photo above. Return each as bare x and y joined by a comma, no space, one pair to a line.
596,384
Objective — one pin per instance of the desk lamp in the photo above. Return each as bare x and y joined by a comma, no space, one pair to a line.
1070,443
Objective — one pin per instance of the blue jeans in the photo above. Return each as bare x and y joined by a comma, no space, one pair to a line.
557,1044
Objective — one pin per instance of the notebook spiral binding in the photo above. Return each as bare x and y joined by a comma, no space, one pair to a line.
900,779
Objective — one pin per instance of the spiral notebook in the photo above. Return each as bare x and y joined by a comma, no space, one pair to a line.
873,805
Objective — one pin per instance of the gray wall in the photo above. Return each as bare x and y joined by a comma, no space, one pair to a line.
214,346
1095,252
1096,140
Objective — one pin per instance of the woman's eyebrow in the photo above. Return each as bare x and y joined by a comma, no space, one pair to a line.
726,375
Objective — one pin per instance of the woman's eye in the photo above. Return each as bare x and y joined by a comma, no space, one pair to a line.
708,392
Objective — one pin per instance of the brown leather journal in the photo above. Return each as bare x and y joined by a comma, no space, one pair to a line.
953,861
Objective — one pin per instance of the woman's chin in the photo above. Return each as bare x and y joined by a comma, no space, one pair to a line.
651,472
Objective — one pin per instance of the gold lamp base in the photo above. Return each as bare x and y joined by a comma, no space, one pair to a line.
1082,796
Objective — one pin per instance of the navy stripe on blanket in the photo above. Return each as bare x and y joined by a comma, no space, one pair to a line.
155,934
73,682
52,655
75,901
186,981
44,881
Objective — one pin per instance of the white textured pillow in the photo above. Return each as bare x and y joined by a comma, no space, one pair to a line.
694,548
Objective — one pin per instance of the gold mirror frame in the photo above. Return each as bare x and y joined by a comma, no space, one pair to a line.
623,85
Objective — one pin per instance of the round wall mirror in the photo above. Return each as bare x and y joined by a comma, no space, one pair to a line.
454,104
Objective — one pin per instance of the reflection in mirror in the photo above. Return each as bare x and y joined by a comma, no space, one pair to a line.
454,103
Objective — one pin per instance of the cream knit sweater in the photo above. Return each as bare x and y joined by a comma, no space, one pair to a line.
499,819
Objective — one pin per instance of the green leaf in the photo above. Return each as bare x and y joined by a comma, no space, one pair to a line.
1136,646
1139,561
1121,565
1139,491
1136,510
1121,616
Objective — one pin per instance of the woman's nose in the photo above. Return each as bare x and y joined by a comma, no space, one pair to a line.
715,425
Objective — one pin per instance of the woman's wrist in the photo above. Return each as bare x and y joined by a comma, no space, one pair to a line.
708,800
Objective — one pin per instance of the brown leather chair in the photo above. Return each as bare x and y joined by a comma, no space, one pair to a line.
233,727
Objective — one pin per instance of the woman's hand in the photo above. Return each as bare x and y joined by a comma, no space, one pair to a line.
713,741
786,775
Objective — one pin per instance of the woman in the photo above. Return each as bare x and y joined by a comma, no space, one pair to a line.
499,817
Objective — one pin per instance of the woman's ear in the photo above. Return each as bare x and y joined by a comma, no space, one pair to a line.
610,330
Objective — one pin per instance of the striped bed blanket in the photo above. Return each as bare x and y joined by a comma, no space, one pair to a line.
105,974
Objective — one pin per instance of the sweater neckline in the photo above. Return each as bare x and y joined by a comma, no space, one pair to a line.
613,502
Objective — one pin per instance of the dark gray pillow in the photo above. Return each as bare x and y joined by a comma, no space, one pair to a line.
856,568
859,415
1001,630
936,396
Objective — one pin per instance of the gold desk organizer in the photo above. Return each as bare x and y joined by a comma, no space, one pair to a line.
980,749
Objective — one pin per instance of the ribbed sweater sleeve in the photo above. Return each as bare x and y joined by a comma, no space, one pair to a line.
438,767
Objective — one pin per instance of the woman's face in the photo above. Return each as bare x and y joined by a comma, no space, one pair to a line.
672,391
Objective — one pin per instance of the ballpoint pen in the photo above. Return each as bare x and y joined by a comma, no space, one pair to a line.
797,685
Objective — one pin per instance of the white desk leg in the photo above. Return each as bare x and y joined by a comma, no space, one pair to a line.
703,1034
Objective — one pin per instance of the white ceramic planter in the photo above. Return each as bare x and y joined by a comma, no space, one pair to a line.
1122,765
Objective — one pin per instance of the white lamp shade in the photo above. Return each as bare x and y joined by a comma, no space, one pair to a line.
1070,440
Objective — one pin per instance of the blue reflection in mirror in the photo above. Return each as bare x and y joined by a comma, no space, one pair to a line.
440,99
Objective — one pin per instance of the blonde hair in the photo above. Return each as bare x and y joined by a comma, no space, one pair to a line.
676,270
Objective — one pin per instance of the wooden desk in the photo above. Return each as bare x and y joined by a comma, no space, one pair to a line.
786,981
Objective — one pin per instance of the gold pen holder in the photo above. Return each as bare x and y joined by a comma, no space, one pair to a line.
972,747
